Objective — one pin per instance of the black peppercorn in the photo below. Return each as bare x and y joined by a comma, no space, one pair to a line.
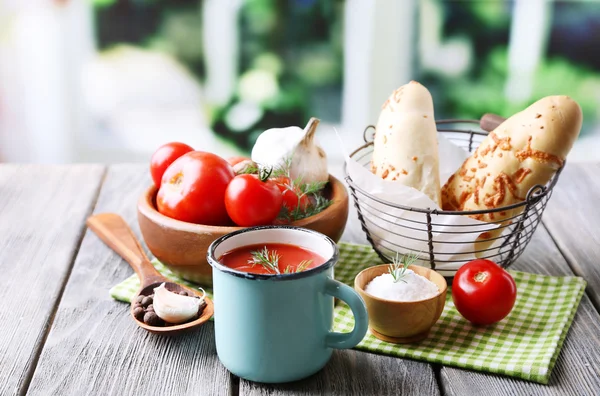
152,319
138,312
146,301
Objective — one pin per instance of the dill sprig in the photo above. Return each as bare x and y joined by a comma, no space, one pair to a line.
307,191
283,169
299,268
317,202
268,259
312,208
311,188
399,266
249,169
257,169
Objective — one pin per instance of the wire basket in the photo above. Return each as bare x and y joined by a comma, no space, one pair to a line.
390,234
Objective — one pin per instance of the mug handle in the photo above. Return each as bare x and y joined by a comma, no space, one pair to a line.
359,310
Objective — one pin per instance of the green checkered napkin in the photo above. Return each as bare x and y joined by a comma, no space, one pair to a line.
524,345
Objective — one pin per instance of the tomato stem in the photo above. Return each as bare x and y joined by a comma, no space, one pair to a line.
265,173
480,277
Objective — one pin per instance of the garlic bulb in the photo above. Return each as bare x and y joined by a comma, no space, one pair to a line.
307,159
175,308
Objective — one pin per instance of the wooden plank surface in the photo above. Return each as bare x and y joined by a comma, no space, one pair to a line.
573,219
42,210
352,372
577,370
94,347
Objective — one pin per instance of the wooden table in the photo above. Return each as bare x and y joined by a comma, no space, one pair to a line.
62,334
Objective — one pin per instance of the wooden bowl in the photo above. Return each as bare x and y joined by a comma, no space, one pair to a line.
182,246
402,321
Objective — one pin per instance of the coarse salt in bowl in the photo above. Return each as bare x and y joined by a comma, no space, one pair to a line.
412,287
406,320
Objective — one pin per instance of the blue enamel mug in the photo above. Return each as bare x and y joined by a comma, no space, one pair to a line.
277,328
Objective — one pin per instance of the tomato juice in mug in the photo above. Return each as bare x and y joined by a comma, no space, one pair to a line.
274,297
271,258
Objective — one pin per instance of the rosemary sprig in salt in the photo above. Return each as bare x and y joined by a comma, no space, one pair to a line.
398,267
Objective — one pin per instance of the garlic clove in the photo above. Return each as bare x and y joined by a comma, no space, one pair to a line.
175,308
309,161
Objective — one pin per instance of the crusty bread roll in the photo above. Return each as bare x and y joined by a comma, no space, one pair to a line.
406,146
525,150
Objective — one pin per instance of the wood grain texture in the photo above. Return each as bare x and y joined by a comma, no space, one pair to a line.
573,219
42,210
94,346
352,372
577,370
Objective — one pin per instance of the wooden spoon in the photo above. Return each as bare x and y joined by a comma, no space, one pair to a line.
114,231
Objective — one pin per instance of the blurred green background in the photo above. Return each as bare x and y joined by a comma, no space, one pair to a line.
291,57
110,80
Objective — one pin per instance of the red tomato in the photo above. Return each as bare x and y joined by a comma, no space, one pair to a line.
290,196
193,189
236,160
251,201
483,292
163,157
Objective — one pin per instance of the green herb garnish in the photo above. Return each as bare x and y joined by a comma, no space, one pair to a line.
299,268
249,169
283,170
269,171
268,259
399,266
310,192
309,188
317,202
